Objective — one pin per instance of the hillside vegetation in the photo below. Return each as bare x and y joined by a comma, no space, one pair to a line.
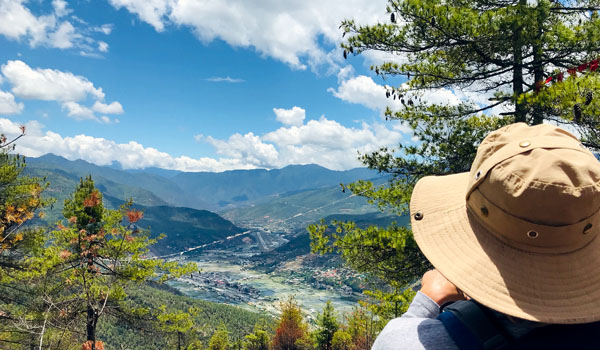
138,335
184,227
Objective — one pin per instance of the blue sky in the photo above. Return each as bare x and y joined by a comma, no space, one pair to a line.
192,85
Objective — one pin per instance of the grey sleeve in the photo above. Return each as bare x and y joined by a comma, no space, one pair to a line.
418,328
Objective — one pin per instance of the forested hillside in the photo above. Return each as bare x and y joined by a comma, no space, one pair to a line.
142,335
184,227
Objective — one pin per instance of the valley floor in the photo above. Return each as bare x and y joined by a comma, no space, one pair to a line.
229,275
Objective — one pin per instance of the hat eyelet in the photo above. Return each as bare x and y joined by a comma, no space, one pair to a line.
587,229
533,234
524,144
478,175
418,216
484,211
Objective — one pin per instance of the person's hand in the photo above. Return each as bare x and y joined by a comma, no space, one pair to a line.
439,289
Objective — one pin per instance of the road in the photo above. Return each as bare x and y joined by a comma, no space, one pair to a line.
173,255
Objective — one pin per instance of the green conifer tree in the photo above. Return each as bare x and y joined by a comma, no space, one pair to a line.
342,340
20,197
220,339
21,315
89,262
327,325
179,323
258,339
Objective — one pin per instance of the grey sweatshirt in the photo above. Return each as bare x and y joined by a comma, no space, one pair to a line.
419,328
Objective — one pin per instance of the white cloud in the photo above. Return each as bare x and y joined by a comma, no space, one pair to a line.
90,54
292,32
294,116
17,22
48,84
249,148
63,87
375,57
113,108
8,105
105,29
60,8
363,90
64,37
198,137
345,73
102,46
225,79
149,11
323,141
79,112
131,155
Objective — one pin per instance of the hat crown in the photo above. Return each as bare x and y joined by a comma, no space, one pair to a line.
539,176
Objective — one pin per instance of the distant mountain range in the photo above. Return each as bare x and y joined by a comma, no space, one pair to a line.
176,203
203,190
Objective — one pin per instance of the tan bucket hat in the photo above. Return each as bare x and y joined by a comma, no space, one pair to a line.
519,232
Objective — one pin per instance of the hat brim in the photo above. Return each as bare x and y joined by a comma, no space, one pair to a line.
550,288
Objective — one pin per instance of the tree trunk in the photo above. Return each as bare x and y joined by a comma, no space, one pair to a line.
538,74
538,67
520,110
92,319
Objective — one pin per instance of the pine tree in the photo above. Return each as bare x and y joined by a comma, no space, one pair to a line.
506,48
327,325
220,339
21,322
342,340
20,197
89,262
179,323
258,339
363,327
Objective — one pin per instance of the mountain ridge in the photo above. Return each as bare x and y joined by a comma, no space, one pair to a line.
207,190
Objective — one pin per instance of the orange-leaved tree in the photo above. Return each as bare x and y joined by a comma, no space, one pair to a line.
291,332
20,197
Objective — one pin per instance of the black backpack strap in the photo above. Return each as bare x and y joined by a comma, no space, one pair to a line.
472,327
554,337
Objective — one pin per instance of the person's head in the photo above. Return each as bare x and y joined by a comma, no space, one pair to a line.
518,233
